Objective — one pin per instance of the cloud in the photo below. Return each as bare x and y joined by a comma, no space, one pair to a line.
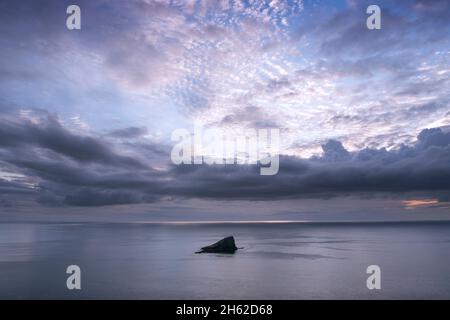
334,151
433,137
13,187
89,198
137,68
322,74
382,83
251,117
84,171
48,134
130,132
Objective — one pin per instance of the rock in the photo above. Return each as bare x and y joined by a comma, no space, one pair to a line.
226,245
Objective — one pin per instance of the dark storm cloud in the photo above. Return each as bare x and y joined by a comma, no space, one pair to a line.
88,197
7,187
51,135
61,167
366,171
433,137
83,171
334,150
130,132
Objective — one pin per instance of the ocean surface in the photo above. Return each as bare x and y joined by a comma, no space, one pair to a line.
278,261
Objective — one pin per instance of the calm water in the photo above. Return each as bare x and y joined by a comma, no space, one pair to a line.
279,261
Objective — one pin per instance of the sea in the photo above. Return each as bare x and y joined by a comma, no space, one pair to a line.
277,260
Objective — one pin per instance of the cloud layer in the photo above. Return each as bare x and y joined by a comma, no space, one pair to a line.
45,161
86,116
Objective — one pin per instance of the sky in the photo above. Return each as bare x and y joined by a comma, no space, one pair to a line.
86,116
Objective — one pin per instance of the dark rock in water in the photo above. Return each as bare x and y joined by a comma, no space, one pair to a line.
226,245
